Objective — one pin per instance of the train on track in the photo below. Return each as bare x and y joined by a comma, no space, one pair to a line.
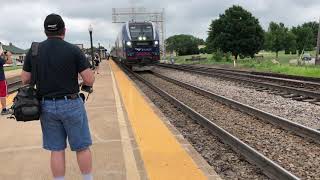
137,46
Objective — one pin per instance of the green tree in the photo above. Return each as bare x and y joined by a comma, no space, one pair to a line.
183,44
305,38
200,41
275,37
314,26
290,43
236,31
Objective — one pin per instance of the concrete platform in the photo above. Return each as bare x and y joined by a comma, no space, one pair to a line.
23,158
122,148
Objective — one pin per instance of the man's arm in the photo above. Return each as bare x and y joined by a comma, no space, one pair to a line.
26,70
87,77
83,68
25,77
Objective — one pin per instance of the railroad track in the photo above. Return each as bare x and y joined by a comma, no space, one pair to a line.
268,166
266,74
308,91
14,85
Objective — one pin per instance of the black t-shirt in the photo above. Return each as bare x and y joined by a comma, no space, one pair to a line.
59,63
2,76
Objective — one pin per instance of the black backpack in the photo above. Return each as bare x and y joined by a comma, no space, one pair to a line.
26,105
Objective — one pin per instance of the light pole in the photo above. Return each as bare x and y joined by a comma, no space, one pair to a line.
99,52
90,32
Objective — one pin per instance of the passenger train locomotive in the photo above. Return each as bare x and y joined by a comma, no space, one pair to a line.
137,45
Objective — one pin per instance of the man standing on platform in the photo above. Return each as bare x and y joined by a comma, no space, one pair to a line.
63,113
96,62
5,58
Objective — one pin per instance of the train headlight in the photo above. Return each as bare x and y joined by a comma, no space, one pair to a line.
144,38
140,38
129,43
156,42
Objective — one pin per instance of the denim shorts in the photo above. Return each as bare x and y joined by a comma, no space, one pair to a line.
64,119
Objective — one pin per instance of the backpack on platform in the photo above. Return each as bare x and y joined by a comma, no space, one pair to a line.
26,105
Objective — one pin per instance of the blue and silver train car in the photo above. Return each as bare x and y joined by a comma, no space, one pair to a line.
137,45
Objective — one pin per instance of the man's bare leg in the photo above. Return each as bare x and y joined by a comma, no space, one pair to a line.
58,167
85,163
3,102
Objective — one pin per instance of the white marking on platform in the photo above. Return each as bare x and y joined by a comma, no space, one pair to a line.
130,161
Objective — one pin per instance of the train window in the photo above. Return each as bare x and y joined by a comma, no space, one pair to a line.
141,30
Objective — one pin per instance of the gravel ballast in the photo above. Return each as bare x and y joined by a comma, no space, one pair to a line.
227,163
301,112
294,153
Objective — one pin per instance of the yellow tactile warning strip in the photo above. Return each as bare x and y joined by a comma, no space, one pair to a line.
130,162
163,156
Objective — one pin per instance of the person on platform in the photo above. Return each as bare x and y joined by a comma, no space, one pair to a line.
5,58
96,63
63,113
108,55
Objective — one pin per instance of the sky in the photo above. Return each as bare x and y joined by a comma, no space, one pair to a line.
22,20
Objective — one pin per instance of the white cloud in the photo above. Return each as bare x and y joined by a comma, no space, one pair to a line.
22,20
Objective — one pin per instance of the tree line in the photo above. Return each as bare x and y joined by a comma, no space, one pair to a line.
291,40
238,32
184,44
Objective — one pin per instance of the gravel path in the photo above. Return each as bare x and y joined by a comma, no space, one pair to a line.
301,112
295,154
227,163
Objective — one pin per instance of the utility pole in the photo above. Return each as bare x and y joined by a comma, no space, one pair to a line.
318,46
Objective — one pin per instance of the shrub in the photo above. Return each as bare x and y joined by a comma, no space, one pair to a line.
202,51
293,51
228,57
287,51
217,56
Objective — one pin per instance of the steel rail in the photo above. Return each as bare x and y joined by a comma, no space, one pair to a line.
14,86
264,74
290,90
303,78
269,167
250,75
291,126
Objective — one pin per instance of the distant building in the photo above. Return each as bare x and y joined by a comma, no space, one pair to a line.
80,46
17,53
169,53
201,46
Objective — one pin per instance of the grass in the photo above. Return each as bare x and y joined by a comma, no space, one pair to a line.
12,68
265,64
268,66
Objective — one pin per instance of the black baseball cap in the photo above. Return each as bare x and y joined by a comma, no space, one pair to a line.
53,23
